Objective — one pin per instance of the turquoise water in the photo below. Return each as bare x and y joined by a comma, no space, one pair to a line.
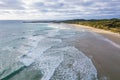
15,42
39,51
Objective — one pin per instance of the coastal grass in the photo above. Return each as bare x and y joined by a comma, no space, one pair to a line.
106,24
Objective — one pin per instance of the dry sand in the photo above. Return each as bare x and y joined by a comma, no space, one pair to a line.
105,55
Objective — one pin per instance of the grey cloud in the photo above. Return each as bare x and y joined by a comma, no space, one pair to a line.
11,4
100,6
41,5
67,8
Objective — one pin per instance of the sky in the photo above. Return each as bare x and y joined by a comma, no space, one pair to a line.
58,9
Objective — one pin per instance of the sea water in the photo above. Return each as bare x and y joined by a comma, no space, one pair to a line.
39,51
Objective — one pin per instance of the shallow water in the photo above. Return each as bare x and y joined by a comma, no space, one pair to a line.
38,51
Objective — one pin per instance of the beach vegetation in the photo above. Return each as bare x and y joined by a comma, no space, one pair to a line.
106,24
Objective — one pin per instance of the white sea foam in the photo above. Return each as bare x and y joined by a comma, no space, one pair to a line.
67,62
54,61
75,64
48,64
42,46
26,61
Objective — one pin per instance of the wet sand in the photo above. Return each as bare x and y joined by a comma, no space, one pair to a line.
104,50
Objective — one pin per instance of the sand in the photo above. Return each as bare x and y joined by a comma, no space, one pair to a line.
108,34
105,54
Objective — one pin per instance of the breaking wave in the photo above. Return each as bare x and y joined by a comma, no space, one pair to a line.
48,54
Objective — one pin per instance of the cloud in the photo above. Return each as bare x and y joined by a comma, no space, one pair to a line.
59,9
11,4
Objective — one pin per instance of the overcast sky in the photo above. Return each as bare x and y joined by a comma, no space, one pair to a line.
59,9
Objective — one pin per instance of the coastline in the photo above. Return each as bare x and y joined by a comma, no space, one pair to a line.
72,50
115,37
104,54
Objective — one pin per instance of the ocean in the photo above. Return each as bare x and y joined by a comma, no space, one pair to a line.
40,51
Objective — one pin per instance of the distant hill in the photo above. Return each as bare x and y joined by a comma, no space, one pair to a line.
38,21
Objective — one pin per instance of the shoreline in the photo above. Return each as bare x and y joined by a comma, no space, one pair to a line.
115,37
104,55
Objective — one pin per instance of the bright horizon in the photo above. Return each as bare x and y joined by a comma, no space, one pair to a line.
58,9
